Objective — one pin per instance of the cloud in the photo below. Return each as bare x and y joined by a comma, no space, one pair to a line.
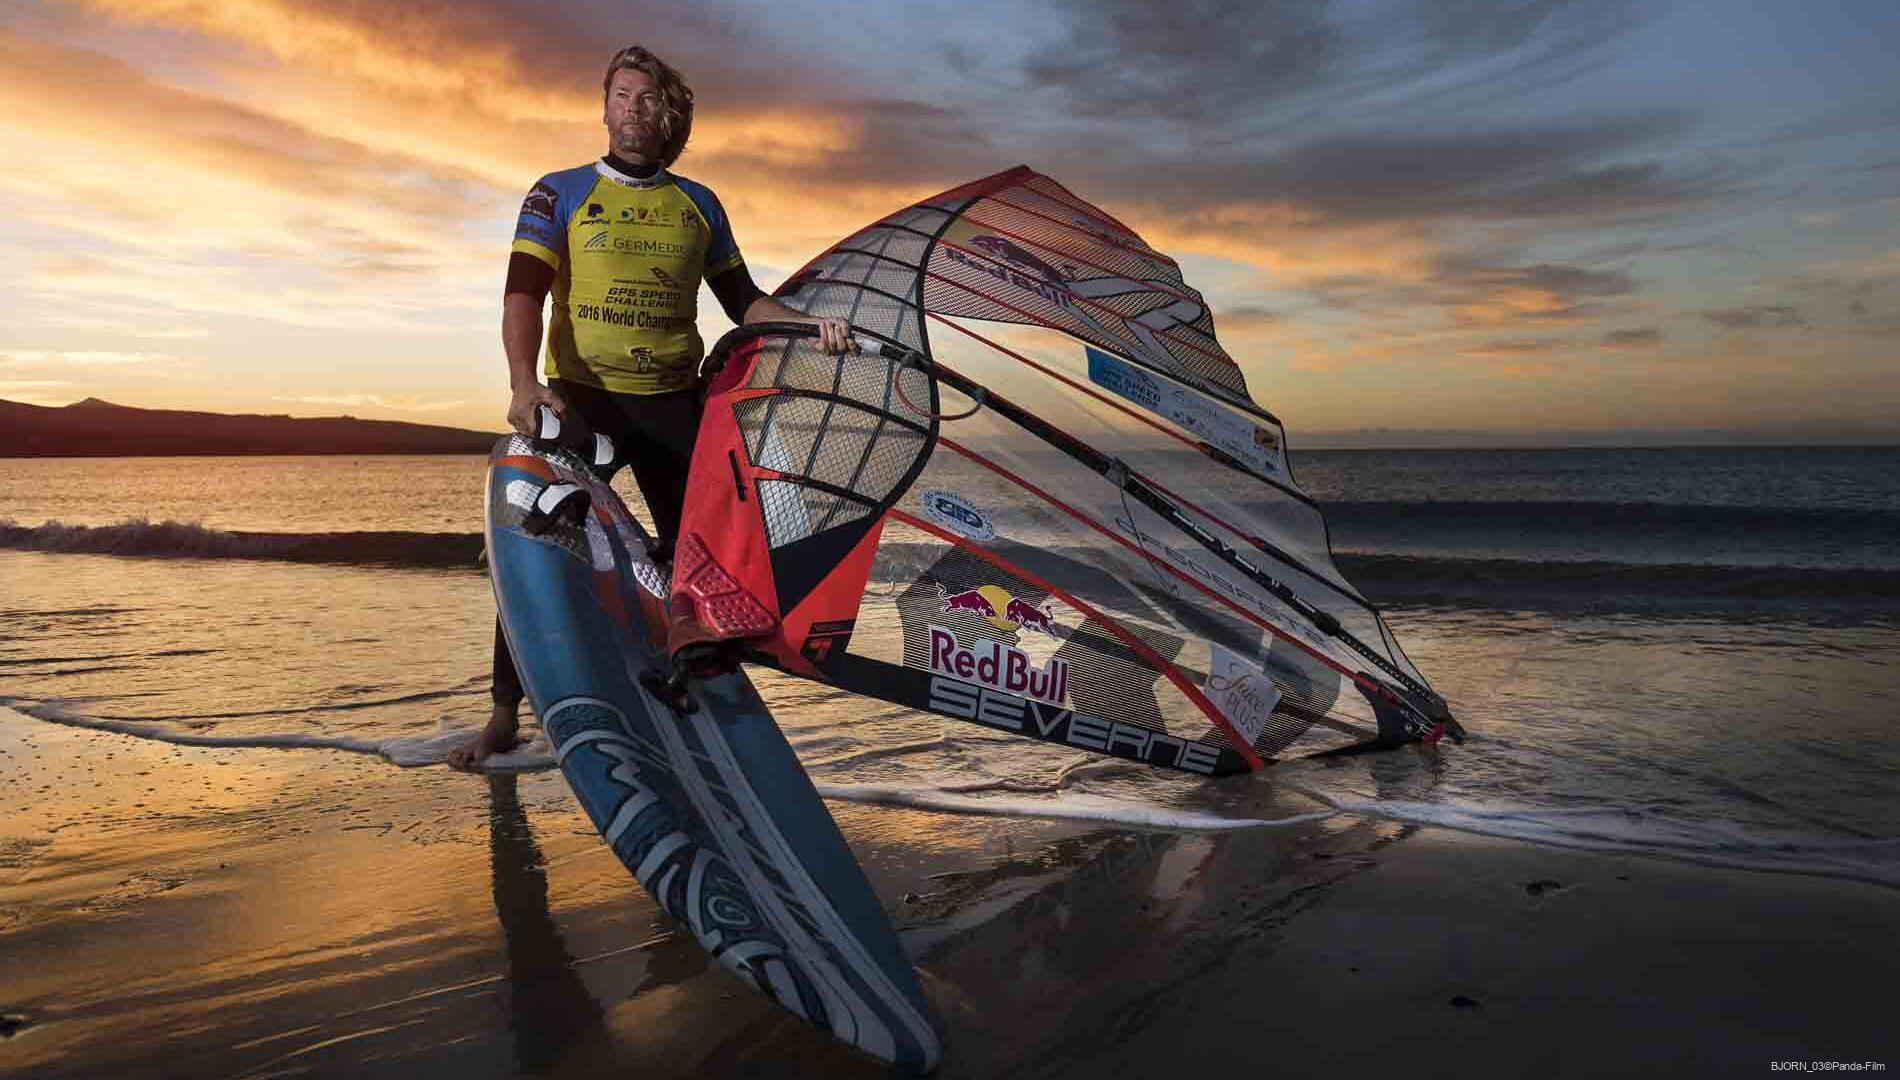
57,376
1469,291
141,288
1571,171
464,109
494,89
232,208
1757,315
396,402
1281,64
1188,59
1517,347
1492,295
1633,339
1365,192
1242,318
438,50
53,359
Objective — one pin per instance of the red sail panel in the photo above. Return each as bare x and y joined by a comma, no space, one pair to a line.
799,456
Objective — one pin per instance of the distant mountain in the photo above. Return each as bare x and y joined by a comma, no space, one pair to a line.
95,428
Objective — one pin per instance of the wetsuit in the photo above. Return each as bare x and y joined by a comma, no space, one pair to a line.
623,249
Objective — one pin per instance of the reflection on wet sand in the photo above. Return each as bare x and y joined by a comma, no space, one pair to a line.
1075,942
547,1003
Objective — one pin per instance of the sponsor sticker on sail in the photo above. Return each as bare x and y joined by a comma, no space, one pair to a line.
958,514
1251,444
1242,692
999,666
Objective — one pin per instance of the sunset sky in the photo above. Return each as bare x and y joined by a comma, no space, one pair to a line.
1588,219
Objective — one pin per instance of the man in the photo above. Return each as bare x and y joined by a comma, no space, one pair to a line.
623,245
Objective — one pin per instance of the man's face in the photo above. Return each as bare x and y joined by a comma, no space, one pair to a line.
633,115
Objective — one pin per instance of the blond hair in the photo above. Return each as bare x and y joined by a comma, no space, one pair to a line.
676,98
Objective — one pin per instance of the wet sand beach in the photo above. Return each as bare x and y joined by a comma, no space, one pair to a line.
177,911
290,901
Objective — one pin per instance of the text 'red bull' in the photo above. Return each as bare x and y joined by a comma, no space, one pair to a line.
999,667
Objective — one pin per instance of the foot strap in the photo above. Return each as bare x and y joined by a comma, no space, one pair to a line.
572,433
559,503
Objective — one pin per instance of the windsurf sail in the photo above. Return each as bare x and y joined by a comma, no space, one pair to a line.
1102,546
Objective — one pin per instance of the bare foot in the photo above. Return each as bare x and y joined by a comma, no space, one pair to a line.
502,734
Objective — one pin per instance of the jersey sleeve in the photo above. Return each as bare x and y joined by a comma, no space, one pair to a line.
541,230
722,251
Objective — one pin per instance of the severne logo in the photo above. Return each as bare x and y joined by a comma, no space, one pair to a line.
1038,720
1023,258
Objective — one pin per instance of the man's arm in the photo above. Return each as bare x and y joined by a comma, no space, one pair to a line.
834,334
528,281
745,303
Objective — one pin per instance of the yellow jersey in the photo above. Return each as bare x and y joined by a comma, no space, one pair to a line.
628,256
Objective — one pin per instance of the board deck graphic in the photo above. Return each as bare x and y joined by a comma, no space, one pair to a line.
708,807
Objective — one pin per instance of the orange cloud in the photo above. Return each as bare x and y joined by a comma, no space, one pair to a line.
443,53
397,402
1511,303
335,165
1295,245
1508,348
53,359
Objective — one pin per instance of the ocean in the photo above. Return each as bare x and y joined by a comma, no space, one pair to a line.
1684,653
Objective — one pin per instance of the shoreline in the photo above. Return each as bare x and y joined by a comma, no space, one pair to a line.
174,910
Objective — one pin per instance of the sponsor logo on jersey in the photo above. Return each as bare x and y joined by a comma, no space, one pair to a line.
1000,609
634,245
1000,667
539,203
648,215
642,296
664,278
956,513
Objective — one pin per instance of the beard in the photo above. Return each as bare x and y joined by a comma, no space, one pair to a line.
639,137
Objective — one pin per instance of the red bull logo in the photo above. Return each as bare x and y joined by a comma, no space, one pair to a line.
1000,667
970,600
1023,258
1005,612
1029,617
1003,260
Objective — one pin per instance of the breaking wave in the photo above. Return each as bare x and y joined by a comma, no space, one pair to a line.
1608,828
1385,578
1634,517
1404,579
176,540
